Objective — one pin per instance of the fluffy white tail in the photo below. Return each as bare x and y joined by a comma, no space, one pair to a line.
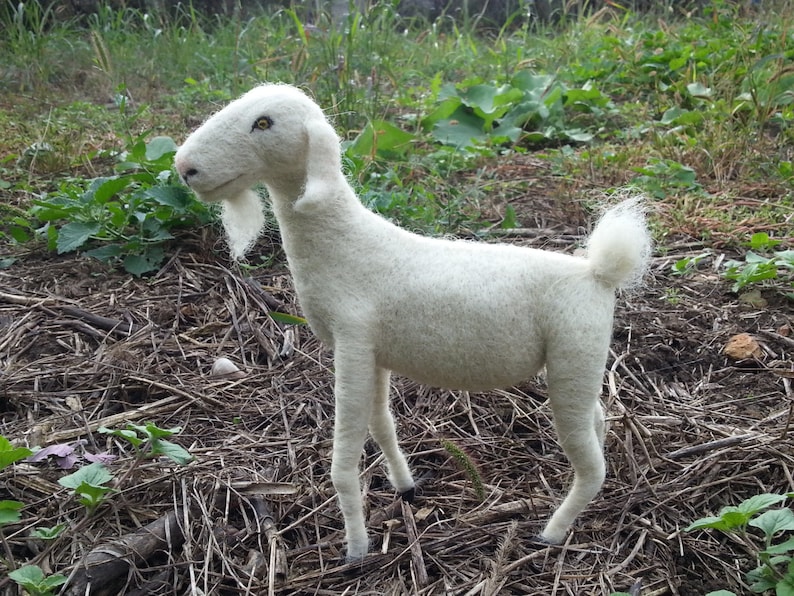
620,245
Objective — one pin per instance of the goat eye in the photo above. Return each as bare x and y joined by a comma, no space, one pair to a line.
262,123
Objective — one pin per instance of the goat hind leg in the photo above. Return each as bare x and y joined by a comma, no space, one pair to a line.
579,421
382,429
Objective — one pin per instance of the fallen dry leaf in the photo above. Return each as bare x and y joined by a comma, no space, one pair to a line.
742,346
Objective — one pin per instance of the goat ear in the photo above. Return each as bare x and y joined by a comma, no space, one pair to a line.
323,163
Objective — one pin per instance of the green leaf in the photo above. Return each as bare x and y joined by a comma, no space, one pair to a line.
28,576
381,139
144,263
461,129
151,430
712,522
91,495
128,435
762,241
172,451
9,511
785,587
699,90
10,454
105,189
760,502
509,220
782,548
172,196
73,235
281,317
95,475
721,593
160,146
48,533
105,253
773,521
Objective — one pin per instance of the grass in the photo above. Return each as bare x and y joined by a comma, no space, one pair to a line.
696,111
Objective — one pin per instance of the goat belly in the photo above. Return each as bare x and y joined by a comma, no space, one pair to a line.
488,363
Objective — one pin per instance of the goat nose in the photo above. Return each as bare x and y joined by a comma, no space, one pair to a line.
187,174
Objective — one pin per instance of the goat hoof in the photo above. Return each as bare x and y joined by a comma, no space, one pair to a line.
409,495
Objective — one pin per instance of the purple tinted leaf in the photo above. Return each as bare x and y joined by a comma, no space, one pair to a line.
67,462
61,450
102,458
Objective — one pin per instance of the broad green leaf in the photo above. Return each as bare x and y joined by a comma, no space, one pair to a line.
53,581
721,593
10,454
95,475
29,575
712,522
762,241
443,111
73,235
699,90
172,451
9,511
153,431
785,586
461,129
534,83
91,495
773,521
144,263
105,253
129,435
782,548
160,146
19,234
760,502
105,189
172,196
381,138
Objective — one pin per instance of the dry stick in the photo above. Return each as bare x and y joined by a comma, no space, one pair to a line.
114,326
499,512
711,445
417,561
99,571
26,300
277,572
634,551
195,399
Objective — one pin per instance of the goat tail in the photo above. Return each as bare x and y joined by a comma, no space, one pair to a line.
619,247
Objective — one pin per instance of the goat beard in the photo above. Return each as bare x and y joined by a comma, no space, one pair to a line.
243,220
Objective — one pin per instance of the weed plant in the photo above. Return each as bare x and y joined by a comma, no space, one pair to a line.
696,109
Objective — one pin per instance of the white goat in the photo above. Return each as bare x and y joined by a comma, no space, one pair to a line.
457,314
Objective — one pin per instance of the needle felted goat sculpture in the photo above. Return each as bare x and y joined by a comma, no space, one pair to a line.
456,314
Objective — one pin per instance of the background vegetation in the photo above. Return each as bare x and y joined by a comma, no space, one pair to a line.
694,107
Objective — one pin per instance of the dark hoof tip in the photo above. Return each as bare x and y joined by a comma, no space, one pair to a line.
409,495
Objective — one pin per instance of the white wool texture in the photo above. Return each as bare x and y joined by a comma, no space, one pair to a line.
619,246
243,221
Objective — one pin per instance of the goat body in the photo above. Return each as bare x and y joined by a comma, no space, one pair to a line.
456,314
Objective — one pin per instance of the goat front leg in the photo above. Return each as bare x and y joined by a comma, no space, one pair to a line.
355,386
579,421
382,429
